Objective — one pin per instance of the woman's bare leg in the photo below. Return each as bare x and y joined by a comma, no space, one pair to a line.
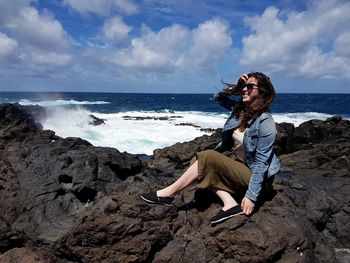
185,180
226,198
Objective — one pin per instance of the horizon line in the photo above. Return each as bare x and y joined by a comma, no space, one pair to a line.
170,93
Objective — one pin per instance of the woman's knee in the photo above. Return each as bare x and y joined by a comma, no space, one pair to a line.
210,156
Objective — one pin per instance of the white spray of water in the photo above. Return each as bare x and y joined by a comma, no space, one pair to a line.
51,103
124,132
299,117
140,132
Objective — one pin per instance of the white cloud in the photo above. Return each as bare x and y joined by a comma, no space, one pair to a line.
28,27
300,43
316,63
102,7
10,8
115,30
155,51
126,6
177,48
41,31
53,59
7,45
342,44
210,40
35,42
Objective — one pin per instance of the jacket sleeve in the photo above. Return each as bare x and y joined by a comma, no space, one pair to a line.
262,158
223,100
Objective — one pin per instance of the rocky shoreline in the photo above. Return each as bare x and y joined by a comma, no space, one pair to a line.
64,200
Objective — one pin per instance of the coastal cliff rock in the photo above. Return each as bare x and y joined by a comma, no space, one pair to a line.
64,200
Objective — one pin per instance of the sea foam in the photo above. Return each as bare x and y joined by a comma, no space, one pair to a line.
140,132
134,132
51,103
298,118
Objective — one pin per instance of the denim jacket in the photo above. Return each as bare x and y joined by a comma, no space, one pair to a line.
258,141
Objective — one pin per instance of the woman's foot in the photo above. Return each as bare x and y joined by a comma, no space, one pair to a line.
226,214
153,198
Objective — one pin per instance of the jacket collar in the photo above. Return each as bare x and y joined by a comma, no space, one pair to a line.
250,121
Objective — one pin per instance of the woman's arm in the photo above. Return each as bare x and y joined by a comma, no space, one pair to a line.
262,158
222,98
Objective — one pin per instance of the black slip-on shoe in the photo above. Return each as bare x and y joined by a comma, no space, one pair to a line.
152,198
223,215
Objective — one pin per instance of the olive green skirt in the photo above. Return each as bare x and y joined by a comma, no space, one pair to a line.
217,171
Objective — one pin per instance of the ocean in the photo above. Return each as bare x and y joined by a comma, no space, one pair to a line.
140,123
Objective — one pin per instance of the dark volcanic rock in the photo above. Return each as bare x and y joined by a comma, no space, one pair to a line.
332,130
183,152
48,182
63,200
96,121
169,162
284,138
15,122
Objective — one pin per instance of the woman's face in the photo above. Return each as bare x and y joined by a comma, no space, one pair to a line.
251,91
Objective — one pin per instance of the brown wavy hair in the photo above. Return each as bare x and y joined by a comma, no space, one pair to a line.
260,105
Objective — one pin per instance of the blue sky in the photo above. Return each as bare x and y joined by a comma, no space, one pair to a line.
173,46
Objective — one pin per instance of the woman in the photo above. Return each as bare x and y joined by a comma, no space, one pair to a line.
251,132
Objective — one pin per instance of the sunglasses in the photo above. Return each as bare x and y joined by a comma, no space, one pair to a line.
250,86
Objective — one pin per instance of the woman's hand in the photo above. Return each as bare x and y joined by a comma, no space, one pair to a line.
247,206
243,78
241,82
